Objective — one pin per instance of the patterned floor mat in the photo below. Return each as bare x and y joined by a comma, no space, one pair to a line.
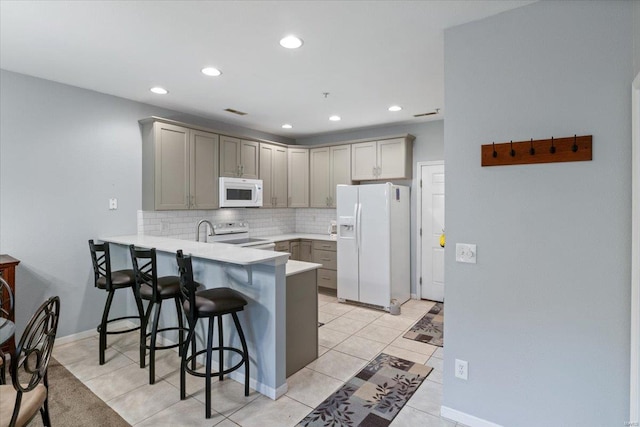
373,397
429,329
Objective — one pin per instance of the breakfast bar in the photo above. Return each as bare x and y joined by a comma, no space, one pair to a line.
259,275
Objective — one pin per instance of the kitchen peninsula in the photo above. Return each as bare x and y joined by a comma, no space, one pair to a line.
261,276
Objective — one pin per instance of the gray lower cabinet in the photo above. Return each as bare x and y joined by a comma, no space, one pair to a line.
282,246
325,253
305,250
302,321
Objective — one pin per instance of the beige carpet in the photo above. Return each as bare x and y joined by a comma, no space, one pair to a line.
72,404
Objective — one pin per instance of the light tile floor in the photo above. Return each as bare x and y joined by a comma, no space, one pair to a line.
351,337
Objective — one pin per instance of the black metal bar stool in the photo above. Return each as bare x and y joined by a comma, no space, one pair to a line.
109,280
209,303
155,289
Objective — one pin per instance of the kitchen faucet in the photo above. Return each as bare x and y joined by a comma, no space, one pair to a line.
198,228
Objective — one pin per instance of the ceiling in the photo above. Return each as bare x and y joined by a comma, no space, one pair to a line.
368,55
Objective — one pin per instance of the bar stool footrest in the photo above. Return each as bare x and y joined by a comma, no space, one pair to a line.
165,347
215,374
124,331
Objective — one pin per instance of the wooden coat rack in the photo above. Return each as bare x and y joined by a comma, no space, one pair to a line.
571,149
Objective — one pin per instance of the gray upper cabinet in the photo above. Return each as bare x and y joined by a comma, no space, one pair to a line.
273,172
179,168
239,157
298,172
328,167
384,159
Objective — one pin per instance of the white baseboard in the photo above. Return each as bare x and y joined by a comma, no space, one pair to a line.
124,324
464,418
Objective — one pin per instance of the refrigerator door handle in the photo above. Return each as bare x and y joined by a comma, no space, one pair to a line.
358,226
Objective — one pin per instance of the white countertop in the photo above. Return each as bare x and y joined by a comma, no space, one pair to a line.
296,267
222,252
294,236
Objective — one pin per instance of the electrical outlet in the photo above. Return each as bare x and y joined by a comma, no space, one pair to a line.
113,204
466,252
462,369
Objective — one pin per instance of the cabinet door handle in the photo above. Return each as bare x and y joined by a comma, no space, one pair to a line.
373,171
241,170
325,259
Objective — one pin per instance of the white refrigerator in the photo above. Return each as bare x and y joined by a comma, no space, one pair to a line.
373,243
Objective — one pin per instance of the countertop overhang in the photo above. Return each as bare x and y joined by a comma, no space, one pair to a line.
222,252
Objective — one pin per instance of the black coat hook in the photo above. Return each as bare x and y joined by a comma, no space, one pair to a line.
512,152
552,150
532,150
495,153
574,147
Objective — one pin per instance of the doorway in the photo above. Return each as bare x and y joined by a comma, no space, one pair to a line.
430,228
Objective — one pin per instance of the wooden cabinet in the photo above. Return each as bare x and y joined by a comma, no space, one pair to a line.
325,253
298,173
328,167
239,158
8,266
384,159
179,168
273,173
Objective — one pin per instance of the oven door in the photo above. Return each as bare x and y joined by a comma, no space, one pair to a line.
240,193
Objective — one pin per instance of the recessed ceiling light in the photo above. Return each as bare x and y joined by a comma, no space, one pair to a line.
335,118
395,108
291,42
286,126
210,71
159,90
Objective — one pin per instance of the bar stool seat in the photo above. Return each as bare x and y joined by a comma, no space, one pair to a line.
119,279
211,304
168,287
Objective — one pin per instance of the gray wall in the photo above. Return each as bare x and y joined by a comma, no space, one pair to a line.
428,146
544,317
64,152
636,37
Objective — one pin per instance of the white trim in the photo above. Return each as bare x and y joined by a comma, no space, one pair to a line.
634,392
124,324
466,419
418,266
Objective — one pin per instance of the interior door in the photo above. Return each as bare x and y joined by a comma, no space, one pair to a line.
432,224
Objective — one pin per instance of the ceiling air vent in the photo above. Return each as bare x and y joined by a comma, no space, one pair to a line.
437,110
231,110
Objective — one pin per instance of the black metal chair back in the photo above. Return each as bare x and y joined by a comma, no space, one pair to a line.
6,299
101,263
146,269
187,284
30,362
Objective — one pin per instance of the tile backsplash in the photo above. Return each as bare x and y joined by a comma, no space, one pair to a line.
262,222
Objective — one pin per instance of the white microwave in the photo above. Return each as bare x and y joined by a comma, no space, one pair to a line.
240,193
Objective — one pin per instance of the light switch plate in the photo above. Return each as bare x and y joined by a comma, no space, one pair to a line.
466,252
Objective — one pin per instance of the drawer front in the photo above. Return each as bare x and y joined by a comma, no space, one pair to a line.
327,278
326,258
282,246
324,245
